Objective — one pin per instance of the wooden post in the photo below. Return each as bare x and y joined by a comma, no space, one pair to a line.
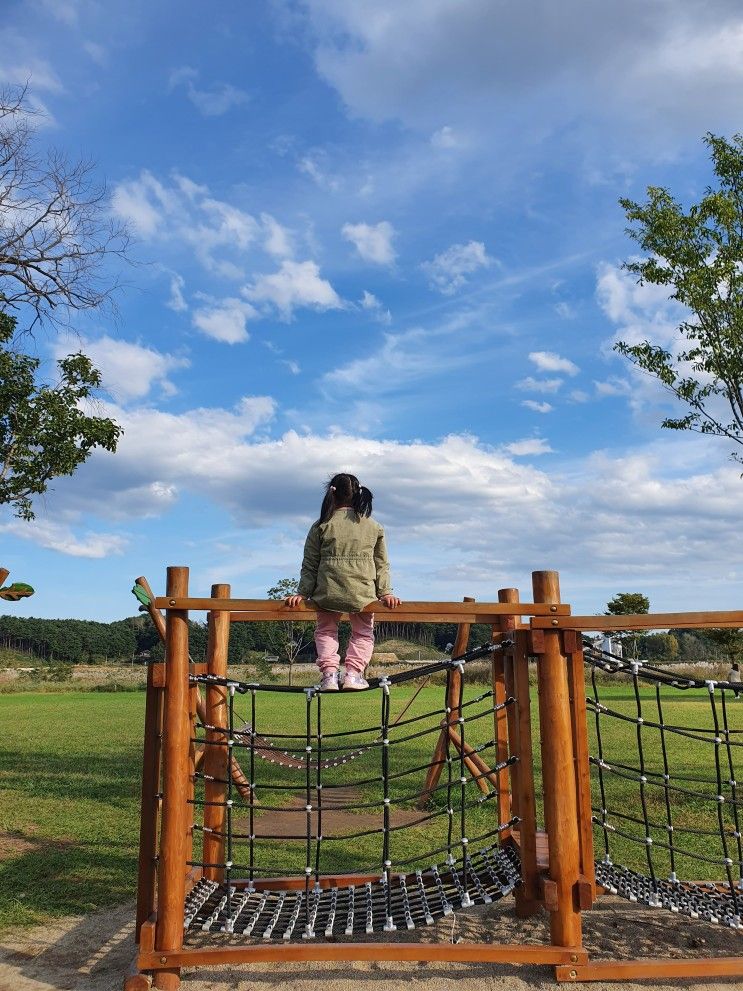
527,895
504,719
558,771
216,749
149,802
577,686
3,574
176,744
452,698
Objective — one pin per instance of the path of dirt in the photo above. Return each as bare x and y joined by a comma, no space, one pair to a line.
291,820
93,954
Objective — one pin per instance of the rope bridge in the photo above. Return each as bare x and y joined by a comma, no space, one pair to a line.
655,819
462,870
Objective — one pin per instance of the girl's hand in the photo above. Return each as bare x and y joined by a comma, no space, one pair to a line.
294,600
391,601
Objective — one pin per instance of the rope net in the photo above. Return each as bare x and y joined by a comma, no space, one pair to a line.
334,781
667,801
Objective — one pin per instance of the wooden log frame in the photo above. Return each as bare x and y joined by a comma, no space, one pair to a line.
560,877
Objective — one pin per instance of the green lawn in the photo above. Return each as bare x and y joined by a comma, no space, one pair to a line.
69,777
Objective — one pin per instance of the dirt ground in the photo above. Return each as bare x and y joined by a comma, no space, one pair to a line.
93,954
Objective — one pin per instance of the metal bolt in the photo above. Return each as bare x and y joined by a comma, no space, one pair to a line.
171,602
574,958
573,974
555,622
163,959
553,608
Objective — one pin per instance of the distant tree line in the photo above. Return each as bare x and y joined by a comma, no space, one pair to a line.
79,641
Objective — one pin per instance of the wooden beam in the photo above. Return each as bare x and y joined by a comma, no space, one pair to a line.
464,610
285,952
642,621
634,970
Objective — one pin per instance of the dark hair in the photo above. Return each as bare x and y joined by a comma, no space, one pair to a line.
345,490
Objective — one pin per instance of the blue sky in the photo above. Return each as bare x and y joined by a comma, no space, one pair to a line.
382,237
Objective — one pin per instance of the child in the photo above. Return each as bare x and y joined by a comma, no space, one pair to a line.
344,568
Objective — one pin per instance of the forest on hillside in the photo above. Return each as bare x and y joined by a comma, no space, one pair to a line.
77,641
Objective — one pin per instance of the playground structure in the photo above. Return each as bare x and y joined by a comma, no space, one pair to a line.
212,889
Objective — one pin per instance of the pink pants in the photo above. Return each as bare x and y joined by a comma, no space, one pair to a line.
360,646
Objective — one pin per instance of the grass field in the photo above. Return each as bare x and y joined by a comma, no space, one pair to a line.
69,783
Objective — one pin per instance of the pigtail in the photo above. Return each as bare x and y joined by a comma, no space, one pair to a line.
362,501
328,505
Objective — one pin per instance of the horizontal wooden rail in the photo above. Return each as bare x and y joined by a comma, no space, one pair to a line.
424,612
656,970
641,621
213,956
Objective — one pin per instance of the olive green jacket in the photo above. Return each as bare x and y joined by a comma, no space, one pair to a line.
345,564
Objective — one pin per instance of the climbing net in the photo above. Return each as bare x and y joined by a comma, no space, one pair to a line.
412,866
666,766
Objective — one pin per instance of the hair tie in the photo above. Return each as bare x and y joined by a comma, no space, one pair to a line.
332,488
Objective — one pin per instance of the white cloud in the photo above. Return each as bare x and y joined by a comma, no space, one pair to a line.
655,517
548,361
564,310
372,241
129,371
213,102
448,271
66,11
225,320
530,384
613,387
177,301
278,240
315,166
142,203
225,239
370,302
96,52
528,446
296,284
445,137
60,537
504,72
537,407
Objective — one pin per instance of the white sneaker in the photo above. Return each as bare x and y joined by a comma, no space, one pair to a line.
354,682
329,682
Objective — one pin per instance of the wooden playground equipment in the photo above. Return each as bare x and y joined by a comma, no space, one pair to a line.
205,898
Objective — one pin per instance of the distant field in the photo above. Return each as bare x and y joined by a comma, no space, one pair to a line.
69,778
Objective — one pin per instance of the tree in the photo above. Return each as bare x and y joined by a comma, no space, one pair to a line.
291,635
699,255
730,642
45,431
625,604
55,229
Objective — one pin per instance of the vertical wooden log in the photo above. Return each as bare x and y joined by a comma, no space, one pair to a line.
505,722
217,751
577,686
149,802
452,699
527,895
558,771
3,574
176,737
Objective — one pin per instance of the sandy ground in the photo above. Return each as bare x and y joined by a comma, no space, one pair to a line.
94,953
